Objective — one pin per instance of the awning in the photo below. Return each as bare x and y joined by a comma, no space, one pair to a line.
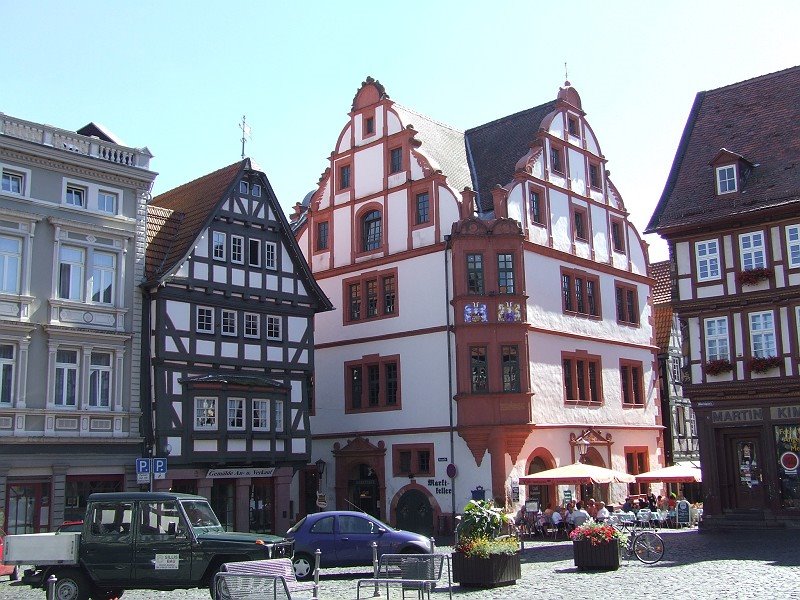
685,472
578,473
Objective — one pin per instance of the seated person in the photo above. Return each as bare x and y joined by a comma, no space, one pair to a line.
602,512
579,516
628,506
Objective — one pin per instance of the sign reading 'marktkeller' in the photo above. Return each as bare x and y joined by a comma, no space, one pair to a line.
230,472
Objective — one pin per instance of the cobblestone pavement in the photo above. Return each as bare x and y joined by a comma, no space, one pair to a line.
696,565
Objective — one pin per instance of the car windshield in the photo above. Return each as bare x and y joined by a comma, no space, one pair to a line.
201,516
296,526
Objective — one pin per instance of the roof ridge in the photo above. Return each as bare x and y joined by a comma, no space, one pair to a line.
511,116
755,79
195,181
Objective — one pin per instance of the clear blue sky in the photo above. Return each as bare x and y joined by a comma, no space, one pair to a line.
177,76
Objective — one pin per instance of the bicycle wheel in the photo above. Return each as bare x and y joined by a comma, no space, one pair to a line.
648,547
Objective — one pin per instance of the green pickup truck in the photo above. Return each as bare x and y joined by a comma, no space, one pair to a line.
138,540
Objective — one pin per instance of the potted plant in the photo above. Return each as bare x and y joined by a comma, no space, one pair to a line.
754,276
483,556
596,546
762,364
718,366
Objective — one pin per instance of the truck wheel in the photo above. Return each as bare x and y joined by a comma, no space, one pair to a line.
107,594
303,566
71,585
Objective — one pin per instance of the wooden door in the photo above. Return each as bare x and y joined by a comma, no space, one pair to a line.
744,464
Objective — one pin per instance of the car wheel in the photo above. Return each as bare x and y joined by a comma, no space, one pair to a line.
303,566
222,592
71,585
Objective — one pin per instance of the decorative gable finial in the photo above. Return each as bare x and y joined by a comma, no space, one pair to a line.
363,96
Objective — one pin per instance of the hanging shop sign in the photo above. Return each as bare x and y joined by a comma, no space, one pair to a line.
231,472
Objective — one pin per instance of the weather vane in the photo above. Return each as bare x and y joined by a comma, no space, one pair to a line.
245,132
566,74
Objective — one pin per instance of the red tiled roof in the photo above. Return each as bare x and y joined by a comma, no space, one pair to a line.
662,290
662,314
758,119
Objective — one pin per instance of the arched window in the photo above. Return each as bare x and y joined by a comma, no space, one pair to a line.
371,231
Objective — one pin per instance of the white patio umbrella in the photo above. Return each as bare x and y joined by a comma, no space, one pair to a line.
680,473
577,473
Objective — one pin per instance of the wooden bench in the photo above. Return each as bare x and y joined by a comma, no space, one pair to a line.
418,572
260,579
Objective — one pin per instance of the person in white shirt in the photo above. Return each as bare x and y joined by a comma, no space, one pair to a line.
602,513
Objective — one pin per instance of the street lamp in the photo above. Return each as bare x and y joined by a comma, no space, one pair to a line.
583,448
320,467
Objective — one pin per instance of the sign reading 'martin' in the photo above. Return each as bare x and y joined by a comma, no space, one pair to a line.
240,472
741,415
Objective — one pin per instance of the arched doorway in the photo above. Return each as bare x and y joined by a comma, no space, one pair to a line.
593,491
538,493
415,513
363,490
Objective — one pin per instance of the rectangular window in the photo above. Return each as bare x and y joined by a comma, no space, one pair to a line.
555,160
257,190
70,273
278,415
356,386
395,160
535,204
218,245
100,380
422,208
261,415
373,385
751,249
370,125
579,229
66,384
252,325
107,202
322,235
235,413
12,183
273,328
630,373
371,297
580,293
793,245
505,273
675,363
389,294
617,235
572,126
582,377
479,370
716,336
254,252
355,301
6,373
594,176
271,255
205,414
391,383
244,187
228,322
75,196
707,257
510,358
344,177
762,334
627,304
726,179
404,457
205,319
104,271
417,460
10,261
636,463
237,249
474,273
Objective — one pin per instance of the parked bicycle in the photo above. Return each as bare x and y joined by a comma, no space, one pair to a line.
647,546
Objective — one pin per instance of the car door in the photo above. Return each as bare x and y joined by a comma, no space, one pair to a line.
354,537
106,545
163,555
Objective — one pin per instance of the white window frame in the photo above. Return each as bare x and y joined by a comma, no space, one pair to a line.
104,196
206,416
74,191
257,190
76,278
7,258
261,414
708,259
61,396
244,187
270,255
252,325
103,278
273,325
237,249
218,242
7,368
227,318
762,334
752,252
793,245
717,342
278,415
97,373
200,319
727,180
10,176
236,413
251,254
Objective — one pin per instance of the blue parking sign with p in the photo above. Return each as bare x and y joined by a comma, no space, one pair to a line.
142,465
159,465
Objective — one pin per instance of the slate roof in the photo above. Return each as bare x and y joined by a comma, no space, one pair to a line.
179,215
662,290
495,147
442,143
758,119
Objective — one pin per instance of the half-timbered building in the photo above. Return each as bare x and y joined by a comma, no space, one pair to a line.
730,212
229,330
494,316
72,239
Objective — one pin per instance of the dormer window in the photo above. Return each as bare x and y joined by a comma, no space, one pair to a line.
726,179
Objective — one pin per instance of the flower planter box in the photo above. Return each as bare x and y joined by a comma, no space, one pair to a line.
600,557
493,571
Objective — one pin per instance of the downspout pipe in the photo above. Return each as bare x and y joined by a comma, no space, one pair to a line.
447,252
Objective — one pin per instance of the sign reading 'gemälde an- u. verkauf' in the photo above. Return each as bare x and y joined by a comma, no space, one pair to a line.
230,472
